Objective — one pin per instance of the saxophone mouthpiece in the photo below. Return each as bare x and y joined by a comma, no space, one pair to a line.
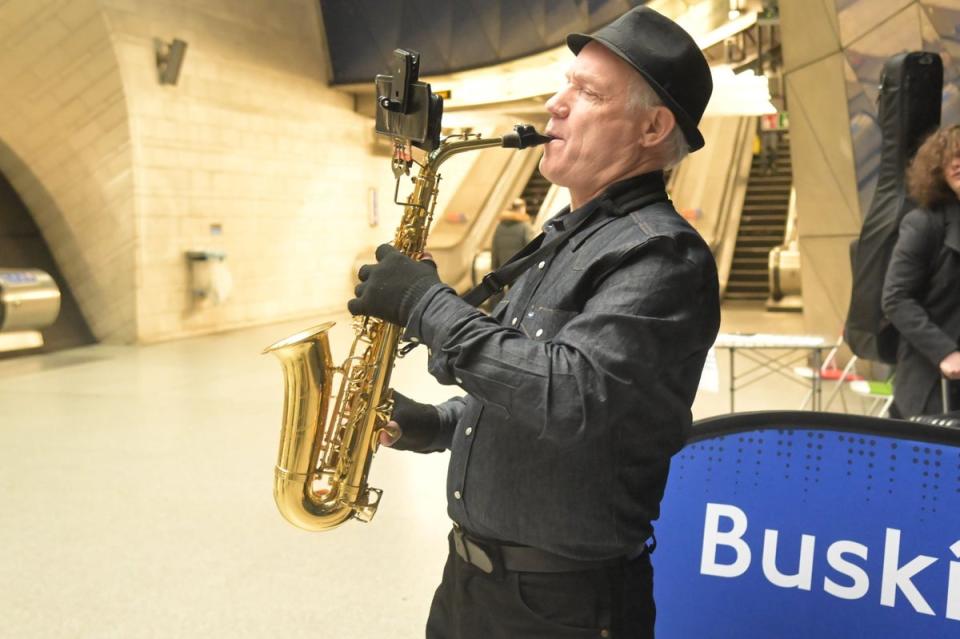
524,136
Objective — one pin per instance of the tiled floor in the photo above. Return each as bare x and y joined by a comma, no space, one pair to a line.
135,485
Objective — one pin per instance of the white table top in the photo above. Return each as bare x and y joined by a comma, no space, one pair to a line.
768,340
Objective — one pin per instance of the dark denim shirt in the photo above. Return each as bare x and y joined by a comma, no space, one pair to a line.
580,382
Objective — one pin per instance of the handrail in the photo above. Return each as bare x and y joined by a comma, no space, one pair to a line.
727,223
791,230
721,222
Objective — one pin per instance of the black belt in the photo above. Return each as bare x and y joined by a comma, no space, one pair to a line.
494,557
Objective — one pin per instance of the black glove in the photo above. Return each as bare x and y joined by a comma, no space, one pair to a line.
419,424
391,288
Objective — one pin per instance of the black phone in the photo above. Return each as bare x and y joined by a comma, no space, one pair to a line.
406,107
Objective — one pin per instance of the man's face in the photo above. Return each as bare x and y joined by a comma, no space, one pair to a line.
596,130
951,172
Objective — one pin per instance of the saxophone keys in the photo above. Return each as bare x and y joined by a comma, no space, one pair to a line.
366,506
392,434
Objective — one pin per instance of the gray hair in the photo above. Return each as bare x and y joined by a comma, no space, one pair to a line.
641,97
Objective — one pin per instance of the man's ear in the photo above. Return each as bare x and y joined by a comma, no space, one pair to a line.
657,125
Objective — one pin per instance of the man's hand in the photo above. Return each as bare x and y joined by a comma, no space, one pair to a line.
950,366
412,426
391,288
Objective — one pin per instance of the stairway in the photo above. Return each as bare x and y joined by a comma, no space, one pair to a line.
762,225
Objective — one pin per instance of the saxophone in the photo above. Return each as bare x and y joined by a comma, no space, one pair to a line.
327,438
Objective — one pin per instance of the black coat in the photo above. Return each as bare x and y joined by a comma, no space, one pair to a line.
921,297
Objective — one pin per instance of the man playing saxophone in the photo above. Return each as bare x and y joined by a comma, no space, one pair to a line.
580,382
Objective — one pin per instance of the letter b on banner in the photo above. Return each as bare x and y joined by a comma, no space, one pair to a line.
733,538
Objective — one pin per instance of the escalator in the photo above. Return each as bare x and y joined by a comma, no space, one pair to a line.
534,193
741,212
762,225
495,179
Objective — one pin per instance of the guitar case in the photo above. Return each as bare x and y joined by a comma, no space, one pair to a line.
908,111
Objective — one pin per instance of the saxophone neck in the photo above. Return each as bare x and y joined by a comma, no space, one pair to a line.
523,136
411,236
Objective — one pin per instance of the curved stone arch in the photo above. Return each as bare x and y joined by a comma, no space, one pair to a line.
66,150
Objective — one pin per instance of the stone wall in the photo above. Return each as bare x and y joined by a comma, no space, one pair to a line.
249,153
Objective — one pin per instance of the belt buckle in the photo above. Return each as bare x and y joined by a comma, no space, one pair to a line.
482,556
458,544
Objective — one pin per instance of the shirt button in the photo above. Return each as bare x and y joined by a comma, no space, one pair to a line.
459,381
469,431
539,332
456,494
514,321
530,314
541,264
415,340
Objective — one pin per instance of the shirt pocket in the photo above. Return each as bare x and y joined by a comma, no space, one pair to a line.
543,323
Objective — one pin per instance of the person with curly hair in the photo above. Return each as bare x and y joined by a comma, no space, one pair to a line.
921,292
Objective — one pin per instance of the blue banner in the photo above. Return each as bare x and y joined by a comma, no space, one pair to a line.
808,525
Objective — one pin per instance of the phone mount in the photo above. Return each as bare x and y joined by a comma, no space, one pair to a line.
406,108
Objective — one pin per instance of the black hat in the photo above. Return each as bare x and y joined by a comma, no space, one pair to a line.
668,59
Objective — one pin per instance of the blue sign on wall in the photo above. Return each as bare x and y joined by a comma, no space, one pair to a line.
811,525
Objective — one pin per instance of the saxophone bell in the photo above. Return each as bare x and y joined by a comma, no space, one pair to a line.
307,497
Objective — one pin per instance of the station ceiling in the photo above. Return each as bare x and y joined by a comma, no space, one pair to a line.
452,35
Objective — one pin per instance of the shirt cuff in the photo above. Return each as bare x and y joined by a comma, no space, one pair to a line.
450,412
436,311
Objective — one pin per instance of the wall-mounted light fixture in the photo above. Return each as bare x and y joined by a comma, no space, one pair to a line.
169,59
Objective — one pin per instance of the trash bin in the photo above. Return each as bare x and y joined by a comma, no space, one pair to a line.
29,300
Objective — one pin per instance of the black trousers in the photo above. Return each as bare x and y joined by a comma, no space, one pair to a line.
615,601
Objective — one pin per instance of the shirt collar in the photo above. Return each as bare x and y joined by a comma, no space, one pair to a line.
623,196
618,199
